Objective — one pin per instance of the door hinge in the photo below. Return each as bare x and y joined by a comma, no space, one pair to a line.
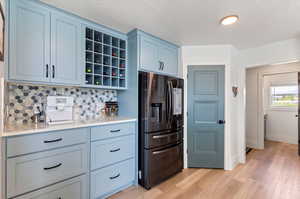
187,76
140,175
187,151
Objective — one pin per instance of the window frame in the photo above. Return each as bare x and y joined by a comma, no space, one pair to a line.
281,108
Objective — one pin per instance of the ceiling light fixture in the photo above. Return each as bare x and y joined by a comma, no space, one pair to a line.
229,20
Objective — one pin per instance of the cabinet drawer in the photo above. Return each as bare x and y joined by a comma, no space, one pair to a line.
109,179
110,131
29,172
44,141
75,188
111,151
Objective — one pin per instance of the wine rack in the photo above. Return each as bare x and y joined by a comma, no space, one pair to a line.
105,60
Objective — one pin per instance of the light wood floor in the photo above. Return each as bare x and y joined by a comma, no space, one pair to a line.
273,173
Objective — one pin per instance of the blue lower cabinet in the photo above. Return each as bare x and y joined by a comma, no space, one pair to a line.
109,180
114,150
75,188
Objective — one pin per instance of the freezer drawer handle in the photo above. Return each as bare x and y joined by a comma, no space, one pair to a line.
115,131
51,141
162,136
162,151
114,177
115,150
48,168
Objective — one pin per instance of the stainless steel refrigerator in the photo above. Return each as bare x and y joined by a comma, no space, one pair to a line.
160,128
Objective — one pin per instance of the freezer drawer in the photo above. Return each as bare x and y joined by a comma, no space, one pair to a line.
162,138
162,164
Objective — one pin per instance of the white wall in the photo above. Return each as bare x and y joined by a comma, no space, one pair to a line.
218,55
282,123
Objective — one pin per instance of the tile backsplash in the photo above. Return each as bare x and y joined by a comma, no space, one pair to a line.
20,100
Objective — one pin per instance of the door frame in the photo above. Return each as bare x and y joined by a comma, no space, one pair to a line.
228,164
260,105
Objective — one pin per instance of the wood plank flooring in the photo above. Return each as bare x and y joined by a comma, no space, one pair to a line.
273,173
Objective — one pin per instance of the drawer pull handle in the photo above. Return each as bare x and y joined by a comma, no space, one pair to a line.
51,141
115,131
162,136
114,177
48,168
115,150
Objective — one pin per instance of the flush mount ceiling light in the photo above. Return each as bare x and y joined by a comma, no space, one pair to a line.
229,20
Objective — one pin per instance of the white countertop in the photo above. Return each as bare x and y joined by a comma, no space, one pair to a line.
15,130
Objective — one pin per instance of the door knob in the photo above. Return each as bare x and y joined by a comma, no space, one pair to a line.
221,121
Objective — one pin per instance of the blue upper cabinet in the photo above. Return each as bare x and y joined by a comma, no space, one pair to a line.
65,49
29,50
168,57
149,54
44,45
154,54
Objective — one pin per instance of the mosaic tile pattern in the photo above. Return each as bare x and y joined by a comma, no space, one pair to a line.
21,99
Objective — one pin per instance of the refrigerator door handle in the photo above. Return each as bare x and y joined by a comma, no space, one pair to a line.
171,98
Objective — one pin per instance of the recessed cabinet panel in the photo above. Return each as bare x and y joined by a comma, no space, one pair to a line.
65,48
29,51
169,59
149,55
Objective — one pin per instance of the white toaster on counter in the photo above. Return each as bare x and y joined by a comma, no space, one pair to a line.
59,109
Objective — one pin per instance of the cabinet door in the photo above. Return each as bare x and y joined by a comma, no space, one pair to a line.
169,58
29,52
149,55
65,49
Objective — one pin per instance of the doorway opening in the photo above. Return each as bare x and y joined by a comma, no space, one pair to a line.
272,98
